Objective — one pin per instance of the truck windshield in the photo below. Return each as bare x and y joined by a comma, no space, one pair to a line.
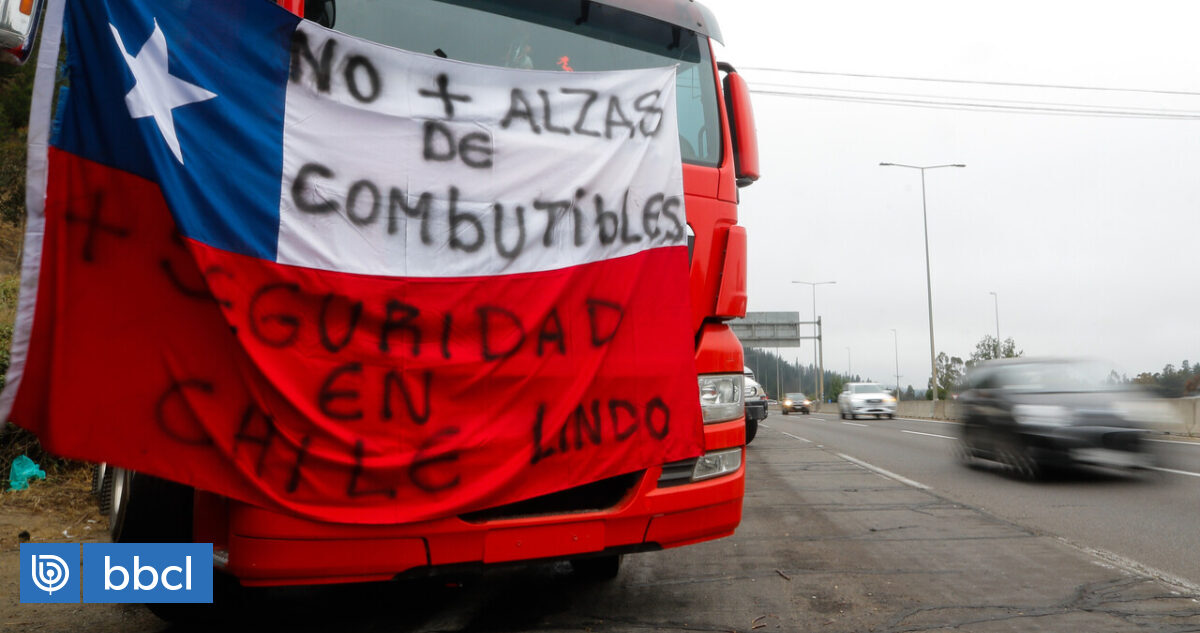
552,35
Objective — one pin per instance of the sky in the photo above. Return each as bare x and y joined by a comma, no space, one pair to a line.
1085,227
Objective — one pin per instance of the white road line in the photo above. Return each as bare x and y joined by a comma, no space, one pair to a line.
945,437
796,437
853,424
886,473
1134,567
927,420
1175,472
1175,442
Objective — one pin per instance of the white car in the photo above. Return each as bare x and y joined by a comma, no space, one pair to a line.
866,398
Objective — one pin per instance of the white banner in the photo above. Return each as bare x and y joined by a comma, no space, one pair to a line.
401,164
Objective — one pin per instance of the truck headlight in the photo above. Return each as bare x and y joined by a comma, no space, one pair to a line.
787,403
721,397
717,463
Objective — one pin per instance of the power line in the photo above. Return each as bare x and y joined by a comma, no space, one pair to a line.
982,107
973,81
951,99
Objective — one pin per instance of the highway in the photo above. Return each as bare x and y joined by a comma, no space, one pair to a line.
1151,518
847,526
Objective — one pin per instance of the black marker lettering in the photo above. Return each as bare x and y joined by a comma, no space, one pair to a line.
555,335
391,323
352,490
323,328
357,190
657,404
354,63
302,52
487,332
614,411
602,333
550,126
590,98
328,396
420,415
650,110
456,219
505,252
398,199
427,457
291,322
619,120
519,108
300,186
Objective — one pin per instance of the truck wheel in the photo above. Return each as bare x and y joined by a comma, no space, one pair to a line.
147,509
785,411
597,568
102,474
751,430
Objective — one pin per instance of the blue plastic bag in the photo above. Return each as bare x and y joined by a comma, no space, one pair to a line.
23,469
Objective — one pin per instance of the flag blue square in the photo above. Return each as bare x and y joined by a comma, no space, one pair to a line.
49,572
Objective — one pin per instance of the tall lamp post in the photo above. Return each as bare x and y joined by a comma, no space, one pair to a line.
849,367
896,344
820,381
996,297
928,281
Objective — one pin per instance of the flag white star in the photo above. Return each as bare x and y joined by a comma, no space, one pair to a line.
155,91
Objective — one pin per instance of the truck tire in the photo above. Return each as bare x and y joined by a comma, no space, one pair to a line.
597,567
147,509
785,411
751,429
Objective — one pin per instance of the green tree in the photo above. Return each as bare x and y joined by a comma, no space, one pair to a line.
950,371
989,348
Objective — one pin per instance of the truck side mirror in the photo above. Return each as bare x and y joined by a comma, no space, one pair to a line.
19,21
741,119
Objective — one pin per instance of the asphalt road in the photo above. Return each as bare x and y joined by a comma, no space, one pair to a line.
868,526
1151,519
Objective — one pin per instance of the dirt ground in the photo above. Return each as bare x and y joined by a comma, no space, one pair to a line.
59,509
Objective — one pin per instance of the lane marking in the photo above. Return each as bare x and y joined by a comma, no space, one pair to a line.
1175,442
796,437
853,424
886,473
1174,472
945,437
1134,567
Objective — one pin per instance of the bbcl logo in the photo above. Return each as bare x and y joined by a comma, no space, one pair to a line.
116,572
147,572
49,572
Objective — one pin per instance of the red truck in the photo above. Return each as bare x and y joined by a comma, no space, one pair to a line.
670,505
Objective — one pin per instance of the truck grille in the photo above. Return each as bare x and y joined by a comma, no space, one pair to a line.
599,495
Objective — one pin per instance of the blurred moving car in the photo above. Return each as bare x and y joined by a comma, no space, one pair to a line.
794,402
866,398
1034,414
756,407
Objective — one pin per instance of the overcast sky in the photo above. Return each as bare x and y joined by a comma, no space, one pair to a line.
1086,227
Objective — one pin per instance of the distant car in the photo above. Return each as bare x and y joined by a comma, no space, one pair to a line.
866,398
794,402
756,407
1035,414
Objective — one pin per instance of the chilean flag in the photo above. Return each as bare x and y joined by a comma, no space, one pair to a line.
315,273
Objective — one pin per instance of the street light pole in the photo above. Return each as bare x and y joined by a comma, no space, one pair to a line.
896,345
849,367
997,301
819,383
928,276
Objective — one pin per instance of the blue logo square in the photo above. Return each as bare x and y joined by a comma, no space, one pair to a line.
147,572
49,572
